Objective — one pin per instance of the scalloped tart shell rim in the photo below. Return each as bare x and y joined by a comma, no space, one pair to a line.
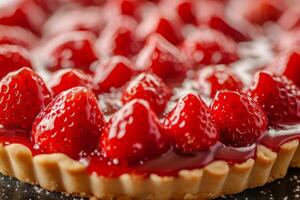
58,172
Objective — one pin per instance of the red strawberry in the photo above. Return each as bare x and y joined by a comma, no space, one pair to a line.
69,50
12,58
218,23
150,88
23,13
71,124
113,73
162,58
134,134
278,96
23,94
288,65
240,118
191,125
65,79
155,23
212,79
208,46
186,11
118,38
17,36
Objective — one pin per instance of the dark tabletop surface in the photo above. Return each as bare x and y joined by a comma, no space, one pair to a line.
286,189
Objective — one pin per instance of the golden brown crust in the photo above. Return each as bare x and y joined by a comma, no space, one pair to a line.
58,172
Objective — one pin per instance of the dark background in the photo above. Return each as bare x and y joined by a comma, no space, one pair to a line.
286,189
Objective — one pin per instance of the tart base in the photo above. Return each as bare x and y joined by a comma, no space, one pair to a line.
58,172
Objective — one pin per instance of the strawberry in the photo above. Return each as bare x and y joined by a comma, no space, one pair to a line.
218,23
23,94
69,50
118,38
150,88
71,124
191,125
288,65
113,73
12,58
278,96
186,11
23,13
65,79
207,46
155,23
162,58
134,134
212,79
240,118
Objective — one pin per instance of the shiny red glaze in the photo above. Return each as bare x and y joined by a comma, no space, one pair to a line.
170,163
207,46
65,79
150,88
71,124
240,118
23,95
69,50
280,135
24,13
136,124
13,57
191,125
278,96
112,74
212,79
162,58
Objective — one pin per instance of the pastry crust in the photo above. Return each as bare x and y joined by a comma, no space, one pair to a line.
58,172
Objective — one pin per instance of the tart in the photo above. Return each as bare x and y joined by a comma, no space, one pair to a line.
151,100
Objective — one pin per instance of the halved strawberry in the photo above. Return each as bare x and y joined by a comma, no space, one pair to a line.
191,125
71,124
113,73
212,79
134,134
65,79
207,46
22,95
240,118
278,96
150,88
13,57
162,58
